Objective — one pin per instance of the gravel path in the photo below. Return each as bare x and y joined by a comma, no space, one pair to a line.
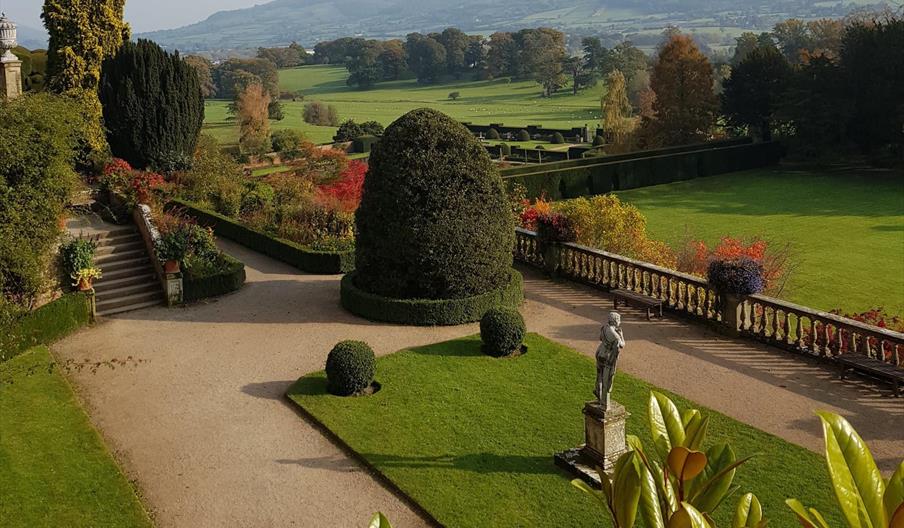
202,427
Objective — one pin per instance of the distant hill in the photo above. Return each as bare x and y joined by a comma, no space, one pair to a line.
32,38
310,21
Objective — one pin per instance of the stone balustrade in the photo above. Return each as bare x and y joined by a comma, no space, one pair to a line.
765,319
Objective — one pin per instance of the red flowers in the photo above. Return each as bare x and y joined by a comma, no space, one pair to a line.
347,189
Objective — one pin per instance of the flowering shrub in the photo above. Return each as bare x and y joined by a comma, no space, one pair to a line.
346,191
742,276
555,227
116,174
696,257
531,212
142,184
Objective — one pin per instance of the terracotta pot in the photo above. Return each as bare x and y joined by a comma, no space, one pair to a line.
171,266
84,285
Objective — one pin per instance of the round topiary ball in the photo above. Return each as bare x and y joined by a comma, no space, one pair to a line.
350,368
434,221
598,141
557,138
502,332
523,135
492,134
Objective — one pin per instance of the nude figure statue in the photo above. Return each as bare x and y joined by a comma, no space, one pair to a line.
612,340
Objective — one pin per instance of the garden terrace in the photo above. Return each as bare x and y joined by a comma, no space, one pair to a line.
773,321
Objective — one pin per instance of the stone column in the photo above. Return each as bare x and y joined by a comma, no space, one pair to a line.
10,79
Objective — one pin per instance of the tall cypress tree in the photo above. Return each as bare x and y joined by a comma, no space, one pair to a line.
153,107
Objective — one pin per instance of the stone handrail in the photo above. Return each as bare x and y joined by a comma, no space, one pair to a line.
766,319
171,282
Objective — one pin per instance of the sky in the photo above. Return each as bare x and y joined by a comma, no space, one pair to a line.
143,15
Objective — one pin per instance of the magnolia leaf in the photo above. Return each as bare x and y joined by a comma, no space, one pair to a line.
650,504
665,424
596,494
707,492
859,487
380,521
807,519
894,494
897,518
626,489
686,464
688,517
695,431
749,512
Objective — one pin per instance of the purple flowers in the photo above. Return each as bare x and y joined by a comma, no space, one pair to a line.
742,276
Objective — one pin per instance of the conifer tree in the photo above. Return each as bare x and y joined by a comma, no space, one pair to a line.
153,107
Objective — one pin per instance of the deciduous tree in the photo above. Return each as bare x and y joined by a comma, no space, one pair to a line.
752,94
251,113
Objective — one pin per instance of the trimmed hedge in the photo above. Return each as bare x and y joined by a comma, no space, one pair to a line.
429,312
501,331
322,262
45,325
350,368
229,280
363,144
610,174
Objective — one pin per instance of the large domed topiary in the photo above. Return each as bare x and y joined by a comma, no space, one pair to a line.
434,221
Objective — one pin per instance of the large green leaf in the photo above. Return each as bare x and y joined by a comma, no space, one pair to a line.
719,458
808,518
858,484
626,489
894,492
380,521
651,503
666,425
688,517
695,430
749,512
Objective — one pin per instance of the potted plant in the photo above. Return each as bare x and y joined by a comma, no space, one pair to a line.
171,249
734,279
85,277
553,229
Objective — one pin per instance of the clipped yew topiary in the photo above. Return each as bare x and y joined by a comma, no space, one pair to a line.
434,220
502,332
557,139
350,368
523,135
492,134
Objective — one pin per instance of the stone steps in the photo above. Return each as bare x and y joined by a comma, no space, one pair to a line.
128,282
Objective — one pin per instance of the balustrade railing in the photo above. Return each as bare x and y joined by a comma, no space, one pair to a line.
769,320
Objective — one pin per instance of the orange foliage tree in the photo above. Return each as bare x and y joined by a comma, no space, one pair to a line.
251,108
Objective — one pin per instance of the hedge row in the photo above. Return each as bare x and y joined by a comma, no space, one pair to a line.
363,144
226,281
643,172
428,312
45,325
596,160
323,262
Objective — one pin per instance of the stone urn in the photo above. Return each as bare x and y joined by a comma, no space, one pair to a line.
171,266
552,253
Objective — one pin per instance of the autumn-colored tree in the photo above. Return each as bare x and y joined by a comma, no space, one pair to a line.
254,126
685,103
616,109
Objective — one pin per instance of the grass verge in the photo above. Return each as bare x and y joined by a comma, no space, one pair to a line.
471,438
54,467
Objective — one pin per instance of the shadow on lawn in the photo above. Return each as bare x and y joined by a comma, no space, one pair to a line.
474,462
457,348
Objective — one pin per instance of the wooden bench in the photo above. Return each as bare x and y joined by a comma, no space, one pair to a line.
644,301
872,367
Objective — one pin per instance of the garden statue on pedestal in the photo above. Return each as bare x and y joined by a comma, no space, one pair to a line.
612,340
604,420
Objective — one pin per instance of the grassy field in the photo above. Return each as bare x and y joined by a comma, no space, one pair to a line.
497,101
471,438
846,227
54,467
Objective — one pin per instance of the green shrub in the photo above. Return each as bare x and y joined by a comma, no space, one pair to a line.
211,277
320,114
598,141
257,196
505,149
453,235
372,128
45,325
348,131
492,134
523,135
78,254
428,312
286,141
557,139
275,111
502,331
350,368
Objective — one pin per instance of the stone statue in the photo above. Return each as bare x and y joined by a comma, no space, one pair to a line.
612,341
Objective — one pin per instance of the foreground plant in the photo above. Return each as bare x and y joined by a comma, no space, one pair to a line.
684,486
865,499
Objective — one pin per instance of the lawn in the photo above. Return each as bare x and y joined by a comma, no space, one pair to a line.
471,438
495,101
846,227
54,467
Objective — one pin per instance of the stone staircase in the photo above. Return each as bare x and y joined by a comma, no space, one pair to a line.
128,281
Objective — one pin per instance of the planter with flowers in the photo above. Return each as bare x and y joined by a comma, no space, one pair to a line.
553,229
171,249
84,278
733,280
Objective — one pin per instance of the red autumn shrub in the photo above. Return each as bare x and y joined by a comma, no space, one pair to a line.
346,191
531,212
143,183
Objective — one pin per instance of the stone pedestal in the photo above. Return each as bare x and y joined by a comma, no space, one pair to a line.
732,313
604,442
10,79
